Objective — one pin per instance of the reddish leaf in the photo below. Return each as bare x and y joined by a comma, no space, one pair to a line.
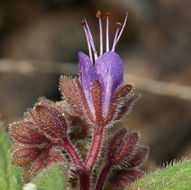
40,163
54,156
46,129
25,156
50,120
25,132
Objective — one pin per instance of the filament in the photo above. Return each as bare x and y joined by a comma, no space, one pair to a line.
91,39
98,15
88,41
107,16
125,21
116,35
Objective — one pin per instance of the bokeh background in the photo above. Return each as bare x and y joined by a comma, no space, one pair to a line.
39,40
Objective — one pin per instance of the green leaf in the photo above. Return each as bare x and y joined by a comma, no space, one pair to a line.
53,179
10,176
175,177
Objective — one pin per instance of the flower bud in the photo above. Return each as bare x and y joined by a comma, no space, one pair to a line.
35,138
25,155
26,132
49,120
122,146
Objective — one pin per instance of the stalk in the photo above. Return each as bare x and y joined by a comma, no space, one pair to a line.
103,176
72,152
95,149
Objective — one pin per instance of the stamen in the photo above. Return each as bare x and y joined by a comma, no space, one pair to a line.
125,21
107,17
115,38
98,15
88,41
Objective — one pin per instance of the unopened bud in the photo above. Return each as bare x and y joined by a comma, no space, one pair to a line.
122,147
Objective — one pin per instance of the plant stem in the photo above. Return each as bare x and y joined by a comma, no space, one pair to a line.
73,153
95,149
81,170
103,176
84,180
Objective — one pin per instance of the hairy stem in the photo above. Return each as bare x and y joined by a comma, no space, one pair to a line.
73,153
103,176
84,180
95,149
83,173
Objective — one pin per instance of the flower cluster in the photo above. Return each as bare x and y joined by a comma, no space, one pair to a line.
92,102
37,137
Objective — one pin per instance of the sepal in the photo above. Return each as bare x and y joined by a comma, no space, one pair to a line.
69,91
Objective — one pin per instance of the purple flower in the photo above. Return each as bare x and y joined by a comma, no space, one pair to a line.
106,67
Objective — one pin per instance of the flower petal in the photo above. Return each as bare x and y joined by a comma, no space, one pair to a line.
87,76
109,69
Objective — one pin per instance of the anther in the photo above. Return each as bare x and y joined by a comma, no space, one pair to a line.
118,24
107,15
83,23
98,14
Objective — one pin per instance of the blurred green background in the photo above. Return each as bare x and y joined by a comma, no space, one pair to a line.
39,40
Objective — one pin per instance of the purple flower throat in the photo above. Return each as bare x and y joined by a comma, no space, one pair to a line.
107,68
